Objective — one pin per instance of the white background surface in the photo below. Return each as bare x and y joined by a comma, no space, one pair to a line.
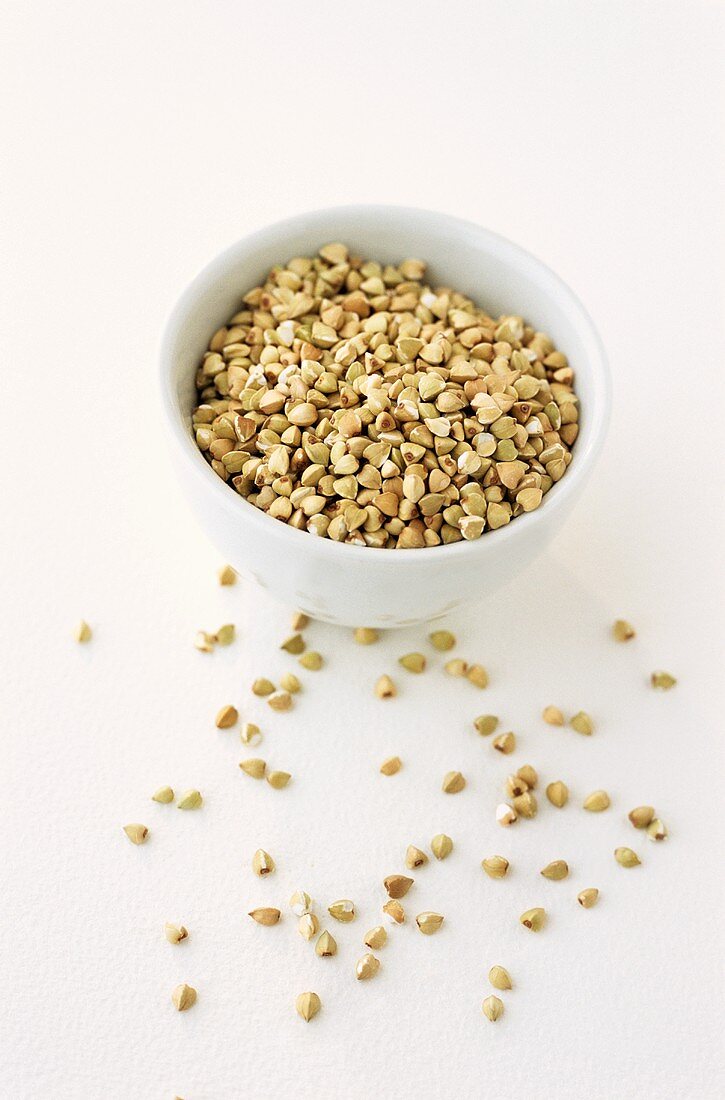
139,139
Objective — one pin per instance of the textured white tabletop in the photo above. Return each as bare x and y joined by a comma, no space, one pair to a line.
138,141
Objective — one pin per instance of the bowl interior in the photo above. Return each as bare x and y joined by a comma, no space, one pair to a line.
495,273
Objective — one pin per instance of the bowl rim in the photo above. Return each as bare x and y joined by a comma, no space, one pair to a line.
514,255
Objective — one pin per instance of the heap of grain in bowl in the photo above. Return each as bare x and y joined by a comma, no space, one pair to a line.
355,401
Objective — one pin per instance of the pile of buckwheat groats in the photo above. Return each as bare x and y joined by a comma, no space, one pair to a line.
520,801
352,400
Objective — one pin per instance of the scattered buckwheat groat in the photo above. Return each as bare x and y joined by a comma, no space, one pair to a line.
254,767
385,688
429,923
582,723
557,793
280,700
190,800
308,926
596,802
657,830
506,815
251,734
225,635
485,724
392,765
278,779
414,857
326,946
343,910
533,919
308,1005
663,681
265,916
204,642
626,857
515,786
525,804
442,640
354,401
262,687
496,866
641,816
453,782
394,911
556,870
589,897
499,977
295,644
289,683
137,834
175,933
262,863
413,662
528,774
300,903
82,632
456,667
183,997
367,967
164,795
376,938
477,675
441,846
365,635
493,1008
622,630
226,718
227,576
397,886
553,716
505,743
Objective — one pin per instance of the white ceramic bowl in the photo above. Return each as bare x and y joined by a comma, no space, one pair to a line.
356,585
